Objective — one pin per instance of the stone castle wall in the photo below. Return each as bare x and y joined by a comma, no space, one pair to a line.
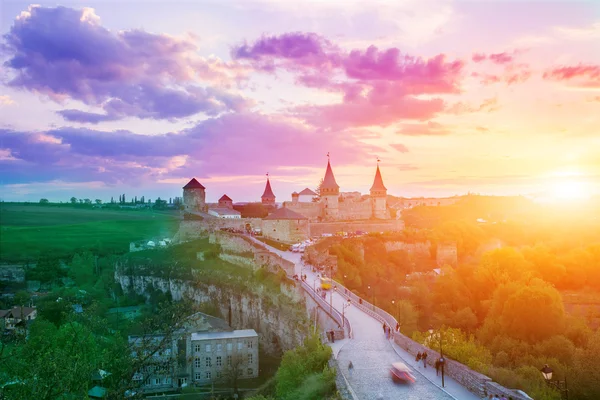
418,249
350,210
319,228
311,211
194,199
286,231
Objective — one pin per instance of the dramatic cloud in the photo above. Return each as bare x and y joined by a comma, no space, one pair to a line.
581,75
255,144
496,58
430,128
66,54
399,147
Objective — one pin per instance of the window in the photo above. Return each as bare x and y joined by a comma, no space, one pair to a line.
197,348
209,361
207,348
157,381
250,371
219,347
208,375
198,376
249,358
229,361
250,344
197,362
229,346
219,361
166,381
240,344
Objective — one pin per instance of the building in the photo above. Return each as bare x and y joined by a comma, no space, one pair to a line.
379,197
268,197
306,196
224,213
285,225
205,350
219,354
225,202
194,196
9,319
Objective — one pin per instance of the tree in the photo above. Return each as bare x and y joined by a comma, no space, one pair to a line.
136,201
318,191
123,198
73,200
47,270
44,201
98,201
112,200
87,201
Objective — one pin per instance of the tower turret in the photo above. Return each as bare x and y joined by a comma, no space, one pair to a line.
379,196
194,196
330,193
268,197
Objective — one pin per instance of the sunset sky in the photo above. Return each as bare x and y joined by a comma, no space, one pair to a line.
137,97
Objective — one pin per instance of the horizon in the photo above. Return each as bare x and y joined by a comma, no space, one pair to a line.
100,99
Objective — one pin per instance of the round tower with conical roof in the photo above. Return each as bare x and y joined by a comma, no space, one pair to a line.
330,193
268,197
194,196
379,196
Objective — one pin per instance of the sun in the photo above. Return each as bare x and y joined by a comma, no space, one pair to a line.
570,191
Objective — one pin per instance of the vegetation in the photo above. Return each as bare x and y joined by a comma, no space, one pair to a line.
30,231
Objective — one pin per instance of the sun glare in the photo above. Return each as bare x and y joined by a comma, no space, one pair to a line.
570,191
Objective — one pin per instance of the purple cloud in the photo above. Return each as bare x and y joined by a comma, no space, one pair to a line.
66,54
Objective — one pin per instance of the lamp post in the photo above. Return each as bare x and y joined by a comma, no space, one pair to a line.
344,306
371,295
441,360
561,386
397,313
331,299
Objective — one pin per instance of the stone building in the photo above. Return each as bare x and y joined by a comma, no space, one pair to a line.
379,197
205,350
305,196
227,213
225,202
330,193
268,198
286,226
194,196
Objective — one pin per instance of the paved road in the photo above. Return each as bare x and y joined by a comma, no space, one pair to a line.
372,355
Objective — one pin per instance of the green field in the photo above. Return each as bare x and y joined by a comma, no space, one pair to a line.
28,231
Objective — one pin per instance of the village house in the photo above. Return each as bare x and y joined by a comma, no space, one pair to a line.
11,318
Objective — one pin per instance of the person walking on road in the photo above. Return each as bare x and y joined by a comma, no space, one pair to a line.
424,358
350,368
437,367
418,357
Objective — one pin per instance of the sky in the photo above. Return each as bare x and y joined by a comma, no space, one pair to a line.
137,97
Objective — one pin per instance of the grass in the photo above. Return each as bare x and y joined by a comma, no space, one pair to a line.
273,243
28,231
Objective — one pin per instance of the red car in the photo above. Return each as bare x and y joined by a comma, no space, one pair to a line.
401,373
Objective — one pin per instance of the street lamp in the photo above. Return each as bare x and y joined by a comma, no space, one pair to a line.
441,360
344,306
371,294
331,298
397,313
561,386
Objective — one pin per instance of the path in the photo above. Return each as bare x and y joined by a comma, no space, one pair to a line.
372,355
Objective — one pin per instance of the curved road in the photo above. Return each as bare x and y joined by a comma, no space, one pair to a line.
370,352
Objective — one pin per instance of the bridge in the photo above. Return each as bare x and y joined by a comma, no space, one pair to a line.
368,349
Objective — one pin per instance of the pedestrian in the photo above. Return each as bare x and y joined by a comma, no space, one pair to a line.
397,327
332,336
418,358
437,367
424,358
384,327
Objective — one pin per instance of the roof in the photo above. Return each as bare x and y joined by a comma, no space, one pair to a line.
378,182
194,184
243,333
225,198
285,213
329,180
307,192
225,211
15,312
295,194
268,193
97,391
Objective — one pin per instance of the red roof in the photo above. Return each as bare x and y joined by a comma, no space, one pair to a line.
268,193
307,191
194,184
378,182
329,180
225,198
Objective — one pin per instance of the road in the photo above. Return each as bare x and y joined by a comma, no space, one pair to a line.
372,355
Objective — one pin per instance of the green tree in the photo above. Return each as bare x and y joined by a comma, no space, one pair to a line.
44,201
98,201
73,200
47,270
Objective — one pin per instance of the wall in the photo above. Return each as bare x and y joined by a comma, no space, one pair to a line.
349,210
285,230
311,211
319,228
194,199
420,248
189,230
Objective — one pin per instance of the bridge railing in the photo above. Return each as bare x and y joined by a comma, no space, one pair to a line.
340,319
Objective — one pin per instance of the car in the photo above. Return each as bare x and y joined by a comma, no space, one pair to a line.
401,373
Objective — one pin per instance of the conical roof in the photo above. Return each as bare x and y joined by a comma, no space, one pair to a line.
329,180
268,194
194,184
378,182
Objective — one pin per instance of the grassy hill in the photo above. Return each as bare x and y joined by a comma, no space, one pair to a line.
28,231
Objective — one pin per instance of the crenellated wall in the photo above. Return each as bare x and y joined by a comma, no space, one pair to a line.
319,228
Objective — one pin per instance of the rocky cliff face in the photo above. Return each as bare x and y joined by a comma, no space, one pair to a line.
281,326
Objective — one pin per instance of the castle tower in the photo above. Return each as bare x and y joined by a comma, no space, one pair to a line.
379,196
330,193
194,196
295,197
225,202
268,197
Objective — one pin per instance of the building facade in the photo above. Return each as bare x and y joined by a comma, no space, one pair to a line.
194,196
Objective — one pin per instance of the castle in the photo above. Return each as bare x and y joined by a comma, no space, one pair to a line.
307,214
